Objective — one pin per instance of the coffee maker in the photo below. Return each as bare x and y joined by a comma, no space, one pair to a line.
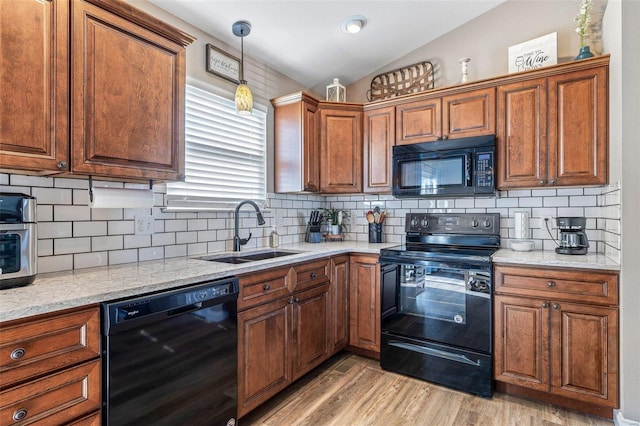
573,239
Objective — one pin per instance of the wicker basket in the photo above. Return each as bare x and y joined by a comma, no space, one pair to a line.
410,79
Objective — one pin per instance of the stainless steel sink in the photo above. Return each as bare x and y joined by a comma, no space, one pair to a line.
241,258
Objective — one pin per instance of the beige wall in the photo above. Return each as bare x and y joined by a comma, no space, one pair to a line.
486,41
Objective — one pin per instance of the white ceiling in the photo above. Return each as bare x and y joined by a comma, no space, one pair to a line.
303,38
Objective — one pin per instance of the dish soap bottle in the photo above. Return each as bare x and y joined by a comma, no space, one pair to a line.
274,238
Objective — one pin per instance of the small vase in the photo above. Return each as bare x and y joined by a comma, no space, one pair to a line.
584,53
334,230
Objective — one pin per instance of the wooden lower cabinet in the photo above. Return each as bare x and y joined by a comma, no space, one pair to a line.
364,303
50,368
554,344
340,302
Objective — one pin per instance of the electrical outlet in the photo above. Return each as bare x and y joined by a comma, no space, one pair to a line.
143,224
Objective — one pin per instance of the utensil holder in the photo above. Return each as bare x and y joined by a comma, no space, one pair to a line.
375,232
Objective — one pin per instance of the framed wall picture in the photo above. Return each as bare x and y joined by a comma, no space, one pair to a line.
222,64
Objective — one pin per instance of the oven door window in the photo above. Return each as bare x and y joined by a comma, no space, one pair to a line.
9,253
443,304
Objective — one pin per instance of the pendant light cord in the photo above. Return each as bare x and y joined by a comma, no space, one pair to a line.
242,55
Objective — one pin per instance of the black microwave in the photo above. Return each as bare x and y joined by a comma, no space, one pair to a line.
448,168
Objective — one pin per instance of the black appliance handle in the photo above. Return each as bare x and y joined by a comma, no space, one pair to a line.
184,309
468,174
435,352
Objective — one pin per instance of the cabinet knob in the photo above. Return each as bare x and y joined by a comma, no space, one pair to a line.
18,353
296,299
62,165
266,287
20,414
552,181
291,301
542,182
313,275
545,305
445,137
555,306
438,138
551,284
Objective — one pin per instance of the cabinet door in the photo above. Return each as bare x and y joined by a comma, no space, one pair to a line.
127,98
364,302
34,82
578,141
521,135
264,360
419,121
585,352
311,328
296,144
521,347
379,138
340,302
469,114
341,151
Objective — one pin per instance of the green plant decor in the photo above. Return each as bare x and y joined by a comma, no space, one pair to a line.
335,217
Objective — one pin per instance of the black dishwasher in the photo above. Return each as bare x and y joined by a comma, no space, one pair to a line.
170,358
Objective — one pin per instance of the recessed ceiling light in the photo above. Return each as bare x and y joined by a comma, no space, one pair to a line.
354,24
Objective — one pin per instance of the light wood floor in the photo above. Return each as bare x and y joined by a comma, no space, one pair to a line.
350,390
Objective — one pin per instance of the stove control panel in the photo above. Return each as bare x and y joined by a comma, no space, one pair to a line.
453,223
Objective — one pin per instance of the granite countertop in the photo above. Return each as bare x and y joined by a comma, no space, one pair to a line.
61,290
551,259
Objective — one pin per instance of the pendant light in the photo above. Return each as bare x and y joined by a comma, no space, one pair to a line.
244,98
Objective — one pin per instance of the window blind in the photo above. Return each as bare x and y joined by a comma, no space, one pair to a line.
225,155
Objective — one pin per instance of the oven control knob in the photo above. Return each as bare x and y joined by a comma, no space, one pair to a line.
424,222
475,223
486,223
414,222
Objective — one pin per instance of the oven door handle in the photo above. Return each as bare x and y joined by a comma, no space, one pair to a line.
467,170
435,352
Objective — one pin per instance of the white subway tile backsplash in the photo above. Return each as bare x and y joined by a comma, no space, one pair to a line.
55,263
71,245
64,217
90,260
52,195
54,230
106,243
23,180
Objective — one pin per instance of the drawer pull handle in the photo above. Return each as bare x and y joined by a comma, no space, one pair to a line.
18,353
20,414
551,284
266,287
545,305
555,306
313,275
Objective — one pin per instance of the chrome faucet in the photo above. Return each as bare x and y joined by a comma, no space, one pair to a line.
237,241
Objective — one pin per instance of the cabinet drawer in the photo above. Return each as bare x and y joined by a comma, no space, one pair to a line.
575,285
40,347
264,287
54,399
311,274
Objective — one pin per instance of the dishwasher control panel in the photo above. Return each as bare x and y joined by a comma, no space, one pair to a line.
170,302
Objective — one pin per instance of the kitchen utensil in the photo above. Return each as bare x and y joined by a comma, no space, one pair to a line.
370,217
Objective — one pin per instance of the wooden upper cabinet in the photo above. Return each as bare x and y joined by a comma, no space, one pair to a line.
521,134
340,148
296,144
418,121
34,75
127,97
469,114
460,115
93,87
379,138
578,127
552,130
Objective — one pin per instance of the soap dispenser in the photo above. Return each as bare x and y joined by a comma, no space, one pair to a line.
274,238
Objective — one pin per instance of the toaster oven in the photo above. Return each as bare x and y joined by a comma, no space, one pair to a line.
18,240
